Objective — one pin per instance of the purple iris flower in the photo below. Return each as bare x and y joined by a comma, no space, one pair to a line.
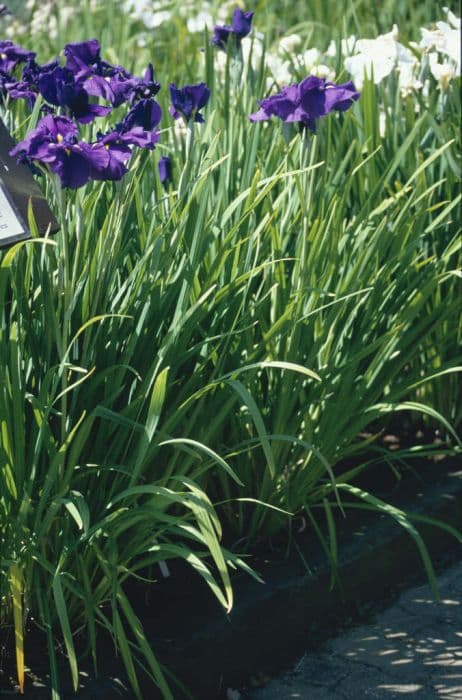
241,23
239,28
307,101
187,101
284,105
121,86
59,87
118,85
33,70
55,142
100,86
113,83
74,164
318,97
108,158
11,55
83,57
83,60
50,130
145,86
27,87
137,136
5,79
7,83
221,35
144,113
341,97
112,151
23,90
138,128
165,170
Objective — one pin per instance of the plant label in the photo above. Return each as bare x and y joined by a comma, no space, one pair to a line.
18,191
11,228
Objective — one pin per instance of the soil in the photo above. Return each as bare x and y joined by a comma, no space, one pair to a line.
271,622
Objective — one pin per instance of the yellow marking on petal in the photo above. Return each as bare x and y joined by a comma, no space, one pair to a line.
3,56
106,146
59,138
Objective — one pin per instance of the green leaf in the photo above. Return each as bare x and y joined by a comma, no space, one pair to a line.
61,609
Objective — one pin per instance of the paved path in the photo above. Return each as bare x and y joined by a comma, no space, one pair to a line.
412,651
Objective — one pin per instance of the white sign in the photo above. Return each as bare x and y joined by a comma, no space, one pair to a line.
9,222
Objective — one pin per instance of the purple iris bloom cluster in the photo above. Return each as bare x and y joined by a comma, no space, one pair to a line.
55,142
70,93
239,28
307,101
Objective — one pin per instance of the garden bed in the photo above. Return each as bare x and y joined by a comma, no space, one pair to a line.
294,609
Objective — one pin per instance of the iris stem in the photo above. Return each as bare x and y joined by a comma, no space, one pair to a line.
64,285
185,178
190,141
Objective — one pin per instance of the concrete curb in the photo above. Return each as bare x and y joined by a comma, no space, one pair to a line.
270,624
